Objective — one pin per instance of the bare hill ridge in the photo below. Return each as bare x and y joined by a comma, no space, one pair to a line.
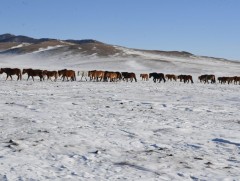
12,44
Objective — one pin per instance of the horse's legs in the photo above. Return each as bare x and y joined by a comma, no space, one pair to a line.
32,78
7,77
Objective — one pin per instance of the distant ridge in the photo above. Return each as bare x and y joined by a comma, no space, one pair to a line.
19,44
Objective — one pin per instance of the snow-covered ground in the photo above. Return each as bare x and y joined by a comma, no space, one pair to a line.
119,131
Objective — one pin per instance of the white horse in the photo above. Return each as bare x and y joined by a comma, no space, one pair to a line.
83,74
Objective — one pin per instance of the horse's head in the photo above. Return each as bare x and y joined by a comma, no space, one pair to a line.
179,76
24,71
60,72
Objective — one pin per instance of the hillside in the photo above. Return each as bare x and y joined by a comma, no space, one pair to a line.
23,51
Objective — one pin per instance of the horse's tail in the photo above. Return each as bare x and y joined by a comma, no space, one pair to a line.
164,79
135,78
191,80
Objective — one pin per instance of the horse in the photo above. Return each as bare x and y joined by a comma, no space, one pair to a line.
83,74
144,77
112,76
205,78
230,80
90,74
33,72
171,77
129,75
157,76
106,76
12,71
185,78
98,74
50,74
202,77
236,79
223,80
67,74
119,76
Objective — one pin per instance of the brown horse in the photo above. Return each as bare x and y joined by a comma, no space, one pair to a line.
144,77
205,78
111,76
202,77
67,74
50,74
223,80
185,78
129,75
230,80
171,77
96,75
12,71
33,72
90,74
119,76
236,79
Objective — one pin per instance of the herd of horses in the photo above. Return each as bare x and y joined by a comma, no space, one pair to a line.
109,76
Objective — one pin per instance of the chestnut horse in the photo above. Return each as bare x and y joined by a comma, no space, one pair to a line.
50,74
11,71
144,77
67,74
96,75
33,72
129,75
111,76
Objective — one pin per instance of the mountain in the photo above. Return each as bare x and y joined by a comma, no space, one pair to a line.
24,51
12,44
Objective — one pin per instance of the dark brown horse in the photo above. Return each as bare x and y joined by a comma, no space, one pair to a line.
236,79
185,78
50,74
33,72
157,77
119,76
129,75
12,71
205,78
67,74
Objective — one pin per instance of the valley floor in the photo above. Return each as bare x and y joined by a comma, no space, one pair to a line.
119,131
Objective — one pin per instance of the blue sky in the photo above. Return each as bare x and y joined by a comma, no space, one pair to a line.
202,27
